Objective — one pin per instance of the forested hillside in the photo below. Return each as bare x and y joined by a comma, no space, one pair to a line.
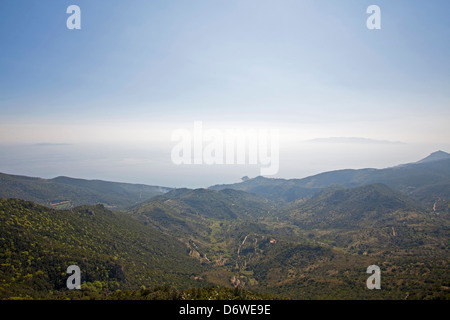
113,250
63,192
309,239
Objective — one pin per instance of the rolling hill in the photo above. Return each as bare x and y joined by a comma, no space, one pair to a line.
114,251
223,204
284,190
63,192
407,178
310,238
358,207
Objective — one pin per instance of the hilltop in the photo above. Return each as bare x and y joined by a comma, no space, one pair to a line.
64,192
407,178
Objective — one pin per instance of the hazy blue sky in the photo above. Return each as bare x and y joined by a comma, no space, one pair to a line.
101,102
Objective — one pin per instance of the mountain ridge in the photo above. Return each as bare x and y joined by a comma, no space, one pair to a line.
64,192
372,204
405,178
435,156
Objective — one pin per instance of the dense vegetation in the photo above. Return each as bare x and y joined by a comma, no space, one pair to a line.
301,242
66,193
114,251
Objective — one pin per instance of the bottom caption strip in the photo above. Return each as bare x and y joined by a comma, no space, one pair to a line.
226,309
